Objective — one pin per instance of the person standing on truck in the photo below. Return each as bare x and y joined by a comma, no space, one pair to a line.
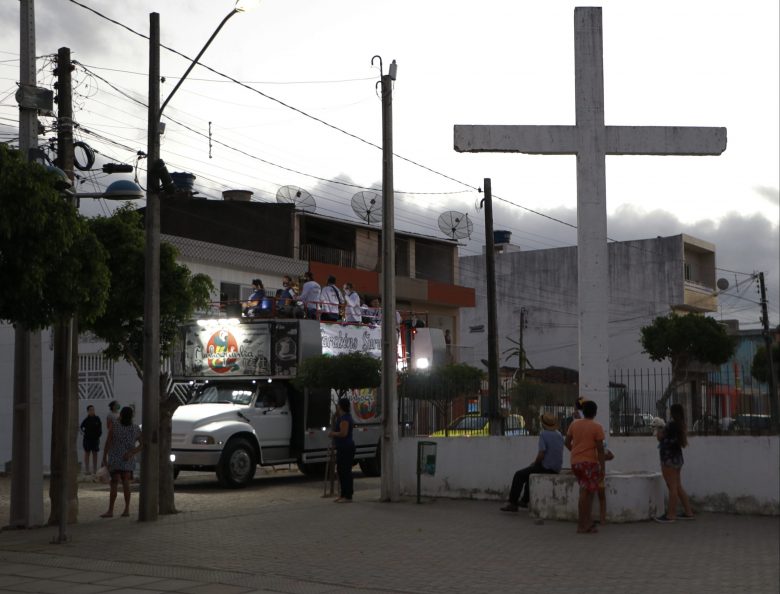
352,311
345,449
332,301
310,294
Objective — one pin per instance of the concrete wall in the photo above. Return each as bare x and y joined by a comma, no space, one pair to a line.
645,277
736,474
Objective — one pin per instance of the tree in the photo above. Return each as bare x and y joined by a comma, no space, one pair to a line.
441,385
683,340
51,264
759,368
341,373
528,396
121,324
53,267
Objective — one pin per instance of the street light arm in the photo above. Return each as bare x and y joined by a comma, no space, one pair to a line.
197,58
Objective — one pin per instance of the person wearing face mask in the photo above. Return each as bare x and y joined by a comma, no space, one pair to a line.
285,298
352,310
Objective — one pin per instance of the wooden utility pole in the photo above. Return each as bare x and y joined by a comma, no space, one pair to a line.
774,405
494,418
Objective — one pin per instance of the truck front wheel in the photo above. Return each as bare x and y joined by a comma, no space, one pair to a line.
237,464
372,466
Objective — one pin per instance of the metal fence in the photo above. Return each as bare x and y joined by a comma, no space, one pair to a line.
715,403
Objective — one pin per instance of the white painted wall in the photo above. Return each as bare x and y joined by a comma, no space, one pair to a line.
738,474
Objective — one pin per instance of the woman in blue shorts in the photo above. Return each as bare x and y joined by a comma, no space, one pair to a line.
671,441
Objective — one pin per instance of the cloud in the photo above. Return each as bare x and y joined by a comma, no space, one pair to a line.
772,195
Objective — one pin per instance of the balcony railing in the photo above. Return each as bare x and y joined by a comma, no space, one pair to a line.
327,255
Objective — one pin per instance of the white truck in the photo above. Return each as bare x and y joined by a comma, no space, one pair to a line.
243,409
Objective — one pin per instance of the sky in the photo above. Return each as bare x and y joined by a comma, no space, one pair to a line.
308,112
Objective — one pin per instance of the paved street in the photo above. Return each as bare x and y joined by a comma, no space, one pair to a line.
281,535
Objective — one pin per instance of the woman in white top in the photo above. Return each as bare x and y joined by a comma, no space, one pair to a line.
352,311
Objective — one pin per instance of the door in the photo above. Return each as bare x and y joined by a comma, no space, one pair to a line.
272,421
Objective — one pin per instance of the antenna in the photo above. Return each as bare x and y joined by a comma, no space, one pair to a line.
455,225
294,195
368,206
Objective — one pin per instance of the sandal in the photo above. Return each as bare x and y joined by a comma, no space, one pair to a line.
107,515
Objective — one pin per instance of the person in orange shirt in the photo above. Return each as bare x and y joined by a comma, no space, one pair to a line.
585,441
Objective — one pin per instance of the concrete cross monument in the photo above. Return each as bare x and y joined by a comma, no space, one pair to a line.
591,141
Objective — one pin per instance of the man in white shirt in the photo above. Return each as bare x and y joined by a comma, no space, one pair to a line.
332,299
310,294
353,311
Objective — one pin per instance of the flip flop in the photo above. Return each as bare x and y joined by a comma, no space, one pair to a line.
125,514
106,515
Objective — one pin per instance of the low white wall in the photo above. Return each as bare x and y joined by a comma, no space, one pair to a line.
738,474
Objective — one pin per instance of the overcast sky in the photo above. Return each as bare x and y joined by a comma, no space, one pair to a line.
680,62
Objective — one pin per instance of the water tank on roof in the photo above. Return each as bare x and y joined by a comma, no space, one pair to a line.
237,195
501,237
183,181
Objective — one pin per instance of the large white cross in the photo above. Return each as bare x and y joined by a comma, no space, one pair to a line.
591,141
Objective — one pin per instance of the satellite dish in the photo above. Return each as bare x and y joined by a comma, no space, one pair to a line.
455,225
368,206
723,284
294,195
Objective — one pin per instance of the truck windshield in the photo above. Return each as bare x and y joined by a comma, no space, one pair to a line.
228,394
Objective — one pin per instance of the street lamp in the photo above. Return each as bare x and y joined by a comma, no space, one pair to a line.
150,454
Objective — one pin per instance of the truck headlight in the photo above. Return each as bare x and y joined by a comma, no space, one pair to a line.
203,440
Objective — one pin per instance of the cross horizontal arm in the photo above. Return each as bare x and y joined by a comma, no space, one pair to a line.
665,140
535,140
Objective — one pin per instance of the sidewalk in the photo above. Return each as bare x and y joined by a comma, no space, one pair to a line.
282,536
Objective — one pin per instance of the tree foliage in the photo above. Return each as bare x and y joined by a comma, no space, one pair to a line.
759,368
441,383
181,292
341,373
683,340
51,263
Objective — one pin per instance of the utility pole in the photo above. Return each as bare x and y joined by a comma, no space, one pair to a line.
27,449
774,406
149,496
523,326
389,487
494,419
63,431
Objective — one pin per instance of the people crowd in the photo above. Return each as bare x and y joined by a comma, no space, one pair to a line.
310,299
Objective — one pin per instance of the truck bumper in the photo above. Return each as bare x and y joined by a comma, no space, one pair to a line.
196,457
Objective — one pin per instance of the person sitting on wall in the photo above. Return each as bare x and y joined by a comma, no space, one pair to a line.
548,460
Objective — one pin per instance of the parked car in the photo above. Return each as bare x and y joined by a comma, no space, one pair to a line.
751,423
477,424
633,423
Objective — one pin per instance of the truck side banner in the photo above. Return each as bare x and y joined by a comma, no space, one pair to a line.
217,348
338,340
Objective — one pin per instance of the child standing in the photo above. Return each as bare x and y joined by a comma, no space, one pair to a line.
91,429
585,441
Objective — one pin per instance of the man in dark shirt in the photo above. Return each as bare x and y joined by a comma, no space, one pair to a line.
91,429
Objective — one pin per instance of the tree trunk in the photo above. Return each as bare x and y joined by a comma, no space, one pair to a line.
64,436
661,405
168,404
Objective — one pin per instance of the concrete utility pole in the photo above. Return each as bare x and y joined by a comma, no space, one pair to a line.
389,487
494,419
149,500
149,496
27,441
63,442
774,405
